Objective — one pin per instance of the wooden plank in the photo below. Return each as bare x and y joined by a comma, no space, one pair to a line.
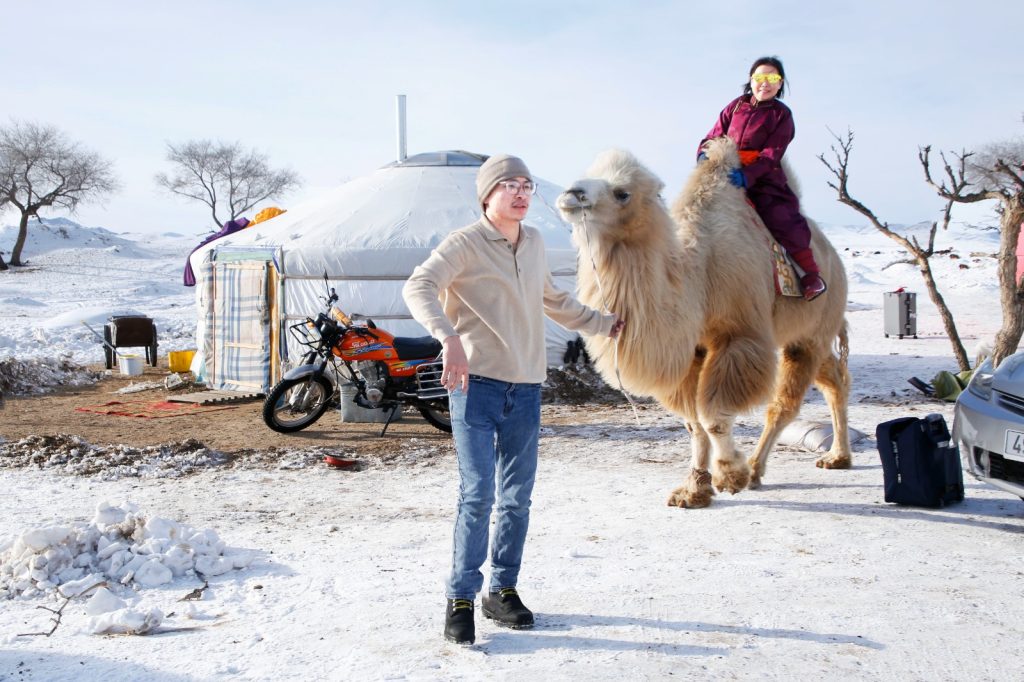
213,397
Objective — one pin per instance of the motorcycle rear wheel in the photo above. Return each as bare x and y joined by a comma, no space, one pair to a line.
294,404
440,419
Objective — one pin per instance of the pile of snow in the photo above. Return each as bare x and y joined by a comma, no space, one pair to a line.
40,375
108,613
71,455
120,546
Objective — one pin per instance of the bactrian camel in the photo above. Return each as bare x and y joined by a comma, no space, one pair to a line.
706,335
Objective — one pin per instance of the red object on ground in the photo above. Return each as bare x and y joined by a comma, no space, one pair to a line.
340,462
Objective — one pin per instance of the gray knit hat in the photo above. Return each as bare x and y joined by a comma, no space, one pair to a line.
495,169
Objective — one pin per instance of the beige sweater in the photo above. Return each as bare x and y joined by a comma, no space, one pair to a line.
494,296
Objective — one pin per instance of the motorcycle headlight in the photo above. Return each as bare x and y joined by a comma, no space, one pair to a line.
981,381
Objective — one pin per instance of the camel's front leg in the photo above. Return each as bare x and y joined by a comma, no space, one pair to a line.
728,468
696,492
738,373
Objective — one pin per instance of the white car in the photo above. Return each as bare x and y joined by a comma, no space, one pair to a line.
988,424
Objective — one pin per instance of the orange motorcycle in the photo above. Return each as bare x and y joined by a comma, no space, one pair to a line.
385,371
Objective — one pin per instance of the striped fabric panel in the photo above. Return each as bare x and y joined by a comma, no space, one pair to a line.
241,327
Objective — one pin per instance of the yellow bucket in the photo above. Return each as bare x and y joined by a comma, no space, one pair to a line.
180,360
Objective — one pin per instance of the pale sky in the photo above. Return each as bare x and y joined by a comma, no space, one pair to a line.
313,85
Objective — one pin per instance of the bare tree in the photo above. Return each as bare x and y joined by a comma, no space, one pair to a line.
995,173
227,178
919,255
40,167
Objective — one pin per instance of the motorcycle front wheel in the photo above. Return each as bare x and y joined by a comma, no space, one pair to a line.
294,404
439,418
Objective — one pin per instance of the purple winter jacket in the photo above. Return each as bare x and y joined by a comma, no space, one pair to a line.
766,127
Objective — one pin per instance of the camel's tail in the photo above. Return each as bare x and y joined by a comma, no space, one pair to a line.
843,343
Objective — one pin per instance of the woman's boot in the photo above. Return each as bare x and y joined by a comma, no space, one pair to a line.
811,283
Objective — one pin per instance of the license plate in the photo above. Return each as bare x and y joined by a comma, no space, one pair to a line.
1014,445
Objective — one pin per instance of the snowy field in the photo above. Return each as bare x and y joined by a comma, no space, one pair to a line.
321,574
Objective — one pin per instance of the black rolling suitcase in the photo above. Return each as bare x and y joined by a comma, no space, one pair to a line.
919,465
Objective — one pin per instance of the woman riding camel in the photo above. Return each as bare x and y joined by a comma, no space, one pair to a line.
762,128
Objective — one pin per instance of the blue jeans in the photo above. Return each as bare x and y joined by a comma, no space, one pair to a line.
496,426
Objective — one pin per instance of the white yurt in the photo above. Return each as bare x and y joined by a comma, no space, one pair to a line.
367,236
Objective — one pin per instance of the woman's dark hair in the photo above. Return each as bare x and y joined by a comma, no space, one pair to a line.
774,62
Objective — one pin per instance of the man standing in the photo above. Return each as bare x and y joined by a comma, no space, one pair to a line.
483,292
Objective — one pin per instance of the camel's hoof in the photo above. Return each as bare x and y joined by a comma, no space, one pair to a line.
834,462
731,477
755,473
690,499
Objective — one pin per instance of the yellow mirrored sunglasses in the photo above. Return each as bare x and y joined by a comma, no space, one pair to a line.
766,78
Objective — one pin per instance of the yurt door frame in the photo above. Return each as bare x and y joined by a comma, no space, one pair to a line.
243,335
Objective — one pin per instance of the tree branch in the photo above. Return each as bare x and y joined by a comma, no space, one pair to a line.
920,256
1009,172
224,175
957,179
59,612
40,167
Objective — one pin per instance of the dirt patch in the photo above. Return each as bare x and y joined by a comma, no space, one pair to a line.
236,434
74,456
46,431
579,385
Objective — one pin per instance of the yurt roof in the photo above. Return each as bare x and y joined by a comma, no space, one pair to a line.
455,157
382,222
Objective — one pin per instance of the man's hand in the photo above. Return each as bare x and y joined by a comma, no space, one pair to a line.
455,368
617,328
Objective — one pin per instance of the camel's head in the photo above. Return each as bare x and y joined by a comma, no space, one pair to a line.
615,198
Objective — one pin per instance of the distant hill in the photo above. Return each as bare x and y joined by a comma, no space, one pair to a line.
53,234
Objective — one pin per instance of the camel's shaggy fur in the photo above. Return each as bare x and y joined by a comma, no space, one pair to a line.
703,324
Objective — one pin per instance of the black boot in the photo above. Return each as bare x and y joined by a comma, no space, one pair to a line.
506,608
458,622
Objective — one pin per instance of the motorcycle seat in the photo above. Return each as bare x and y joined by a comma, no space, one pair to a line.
416,347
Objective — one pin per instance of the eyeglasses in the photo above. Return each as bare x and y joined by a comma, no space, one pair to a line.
772,78
516,187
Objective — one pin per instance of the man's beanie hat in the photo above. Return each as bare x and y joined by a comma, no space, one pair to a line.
495,169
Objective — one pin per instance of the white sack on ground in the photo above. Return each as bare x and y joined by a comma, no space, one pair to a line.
814,436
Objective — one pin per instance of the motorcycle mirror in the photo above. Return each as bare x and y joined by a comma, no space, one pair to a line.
331,296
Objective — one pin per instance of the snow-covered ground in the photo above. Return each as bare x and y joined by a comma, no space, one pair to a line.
77,274
812,575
